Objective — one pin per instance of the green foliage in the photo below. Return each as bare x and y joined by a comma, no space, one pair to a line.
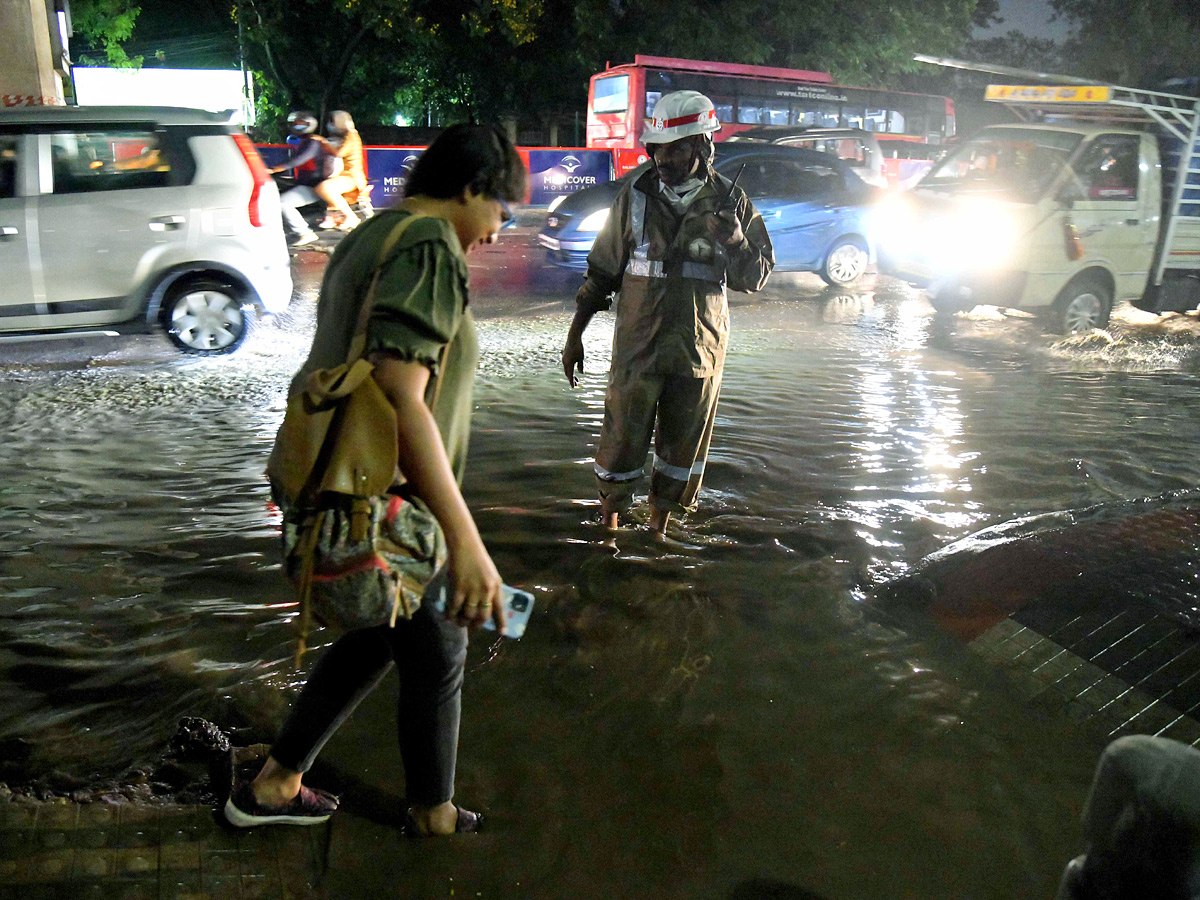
986,14
864,42
105,25
372,55
1135,44
452,60
859,41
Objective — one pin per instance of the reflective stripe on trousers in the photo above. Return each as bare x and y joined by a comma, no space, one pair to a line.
616,477
678,412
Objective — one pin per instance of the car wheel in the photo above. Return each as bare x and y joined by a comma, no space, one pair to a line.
845,263
1083,305
204,316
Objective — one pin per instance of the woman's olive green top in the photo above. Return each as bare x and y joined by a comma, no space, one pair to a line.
420,314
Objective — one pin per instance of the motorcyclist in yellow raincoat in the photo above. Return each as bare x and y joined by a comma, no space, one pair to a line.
676,235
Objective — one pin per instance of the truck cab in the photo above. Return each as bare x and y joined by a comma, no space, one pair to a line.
1065,215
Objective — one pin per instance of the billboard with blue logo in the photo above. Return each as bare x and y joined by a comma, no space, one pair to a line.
387,169
558,171
552,171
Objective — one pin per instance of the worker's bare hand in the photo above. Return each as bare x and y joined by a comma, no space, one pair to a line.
572,358
725,227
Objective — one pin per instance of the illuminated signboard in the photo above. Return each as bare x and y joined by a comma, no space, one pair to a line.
1026,93
211,89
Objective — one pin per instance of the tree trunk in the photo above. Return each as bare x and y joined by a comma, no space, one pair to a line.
333,86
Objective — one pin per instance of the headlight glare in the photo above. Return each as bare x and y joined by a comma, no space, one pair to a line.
595,221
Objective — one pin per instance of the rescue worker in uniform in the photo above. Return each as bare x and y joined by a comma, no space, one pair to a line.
677,234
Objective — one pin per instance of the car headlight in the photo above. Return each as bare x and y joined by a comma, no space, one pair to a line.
595,221
554,204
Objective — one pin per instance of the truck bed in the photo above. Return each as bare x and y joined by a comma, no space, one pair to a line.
1182,236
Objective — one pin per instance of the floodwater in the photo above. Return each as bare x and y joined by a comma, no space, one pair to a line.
689,718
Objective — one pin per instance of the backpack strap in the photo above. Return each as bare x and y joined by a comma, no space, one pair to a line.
359,343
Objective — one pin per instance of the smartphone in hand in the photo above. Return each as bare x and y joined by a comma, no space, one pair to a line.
518,604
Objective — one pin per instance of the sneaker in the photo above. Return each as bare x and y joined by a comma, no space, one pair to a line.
304,239
328,222
309,807
348,223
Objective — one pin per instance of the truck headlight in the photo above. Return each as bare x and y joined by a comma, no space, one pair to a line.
894,225
979,237
595,221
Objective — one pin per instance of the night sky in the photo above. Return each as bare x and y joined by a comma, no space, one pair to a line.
1029,16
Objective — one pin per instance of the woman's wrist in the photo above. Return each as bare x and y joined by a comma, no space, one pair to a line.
464,540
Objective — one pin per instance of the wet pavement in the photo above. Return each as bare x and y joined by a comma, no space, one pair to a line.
724,714
66,850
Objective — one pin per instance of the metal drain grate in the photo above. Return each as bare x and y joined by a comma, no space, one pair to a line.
1128,676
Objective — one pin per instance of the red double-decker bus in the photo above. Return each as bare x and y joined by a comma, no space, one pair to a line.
620,98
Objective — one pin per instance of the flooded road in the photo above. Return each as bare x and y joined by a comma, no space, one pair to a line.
682,717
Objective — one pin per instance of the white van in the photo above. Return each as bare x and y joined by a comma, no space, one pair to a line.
132,218
1067,216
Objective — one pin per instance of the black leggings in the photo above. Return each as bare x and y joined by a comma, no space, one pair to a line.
430,653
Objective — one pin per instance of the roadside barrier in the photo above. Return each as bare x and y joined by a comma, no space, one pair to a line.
553,171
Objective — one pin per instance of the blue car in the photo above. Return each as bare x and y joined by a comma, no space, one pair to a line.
815,209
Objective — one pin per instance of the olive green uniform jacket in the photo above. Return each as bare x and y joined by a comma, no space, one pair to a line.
672,316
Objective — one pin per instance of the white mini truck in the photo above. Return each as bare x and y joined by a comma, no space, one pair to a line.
1093,198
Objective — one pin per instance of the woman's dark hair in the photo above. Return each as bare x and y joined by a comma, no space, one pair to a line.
474,157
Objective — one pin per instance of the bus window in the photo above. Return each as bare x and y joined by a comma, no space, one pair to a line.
815,114
875,120
760,111
852,117
896,122
612,94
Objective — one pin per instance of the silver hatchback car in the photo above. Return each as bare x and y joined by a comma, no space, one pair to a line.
131,218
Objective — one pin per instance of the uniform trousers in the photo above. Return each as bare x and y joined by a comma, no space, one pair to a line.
678,411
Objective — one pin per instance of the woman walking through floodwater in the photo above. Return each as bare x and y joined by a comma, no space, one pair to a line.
420,328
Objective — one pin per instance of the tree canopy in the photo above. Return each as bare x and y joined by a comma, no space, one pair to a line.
1136,44
106,25
451,60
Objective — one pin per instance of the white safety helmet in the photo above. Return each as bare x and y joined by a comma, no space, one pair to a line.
679,115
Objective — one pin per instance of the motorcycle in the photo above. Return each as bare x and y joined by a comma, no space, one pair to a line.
315,212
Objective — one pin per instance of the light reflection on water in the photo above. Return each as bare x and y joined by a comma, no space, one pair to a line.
719,680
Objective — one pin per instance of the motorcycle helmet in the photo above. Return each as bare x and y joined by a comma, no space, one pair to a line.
300,123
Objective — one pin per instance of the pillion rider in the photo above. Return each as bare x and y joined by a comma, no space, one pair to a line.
676,236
